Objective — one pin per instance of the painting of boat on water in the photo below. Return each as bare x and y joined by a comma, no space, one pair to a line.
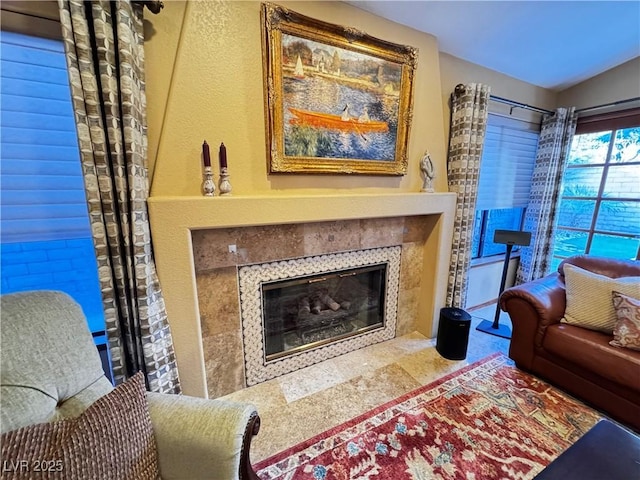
338,104
338,101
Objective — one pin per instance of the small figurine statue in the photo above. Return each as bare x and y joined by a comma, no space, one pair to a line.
426,167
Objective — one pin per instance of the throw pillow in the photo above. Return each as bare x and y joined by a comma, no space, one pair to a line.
112,439
627,330
589,298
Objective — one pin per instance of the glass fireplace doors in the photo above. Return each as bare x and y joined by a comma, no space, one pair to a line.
307,312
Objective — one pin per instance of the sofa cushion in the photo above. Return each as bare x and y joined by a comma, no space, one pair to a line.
112,439
626,333
589,303
590,350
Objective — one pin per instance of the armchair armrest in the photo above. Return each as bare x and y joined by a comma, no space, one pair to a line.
533,307
202,439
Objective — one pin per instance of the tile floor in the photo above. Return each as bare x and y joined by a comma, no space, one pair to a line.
301,404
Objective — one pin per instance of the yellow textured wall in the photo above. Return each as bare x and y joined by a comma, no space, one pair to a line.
205,81
454,71
162,36
619,83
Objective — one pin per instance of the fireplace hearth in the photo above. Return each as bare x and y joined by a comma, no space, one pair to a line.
298,312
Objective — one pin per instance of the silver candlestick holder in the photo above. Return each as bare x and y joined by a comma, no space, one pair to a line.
224,184
208,186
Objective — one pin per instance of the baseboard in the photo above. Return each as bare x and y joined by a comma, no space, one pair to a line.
482,305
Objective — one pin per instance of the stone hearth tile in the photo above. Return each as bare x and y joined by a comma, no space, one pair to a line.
310,380
414,229
383,385
218,301
408,300
411,265
328,237
409,343
305,418
358,362
223,363
265,396
382,350
381,354
428,365
396,348
270,242
381,232
211,248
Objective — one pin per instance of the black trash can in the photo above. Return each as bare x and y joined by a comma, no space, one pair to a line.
453,333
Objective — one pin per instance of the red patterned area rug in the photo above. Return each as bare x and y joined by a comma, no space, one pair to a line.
486,421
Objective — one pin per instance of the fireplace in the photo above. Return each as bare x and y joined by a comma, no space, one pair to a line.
314,310
200,242
299,312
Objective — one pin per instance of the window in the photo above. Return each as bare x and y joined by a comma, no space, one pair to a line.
46,241
487,222
599,211
508,158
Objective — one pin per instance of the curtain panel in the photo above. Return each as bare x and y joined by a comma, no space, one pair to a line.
105,59
469,110
541,215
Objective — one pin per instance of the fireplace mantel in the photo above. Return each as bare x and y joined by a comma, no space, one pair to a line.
174,218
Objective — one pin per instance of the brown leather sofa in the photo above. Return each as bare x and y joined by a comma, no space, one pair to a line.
579,361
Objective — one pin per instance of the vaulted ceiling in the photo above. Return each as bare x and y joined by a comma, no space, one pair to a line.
551,44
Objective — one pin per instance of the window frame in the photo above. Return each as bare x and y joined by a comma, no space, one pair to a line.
604,123
36,18
482,241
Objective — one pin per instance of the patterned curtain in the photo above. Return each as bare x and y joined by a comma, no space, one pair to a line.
542,212
469,110
105,60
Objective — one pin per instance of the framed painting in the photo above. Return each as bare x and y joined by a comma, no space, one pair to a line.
337,100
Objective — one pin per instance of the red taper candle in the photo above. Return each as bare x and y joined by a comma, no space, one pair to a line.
223,156
205,154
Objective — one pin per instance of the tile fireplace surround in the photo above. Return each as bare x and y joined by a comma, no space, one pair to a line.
198,273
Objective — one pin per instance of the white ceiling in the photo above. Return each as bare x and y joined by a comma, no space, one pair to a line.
551,44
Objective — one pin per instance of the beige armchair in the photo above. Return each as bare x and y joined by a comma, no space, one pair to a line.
50,369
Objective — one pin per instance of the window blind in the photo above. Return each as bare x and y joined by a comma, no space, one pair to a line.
42,187
506,167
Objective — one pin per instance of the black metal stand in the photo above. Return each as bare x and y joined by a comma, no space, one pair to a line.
495,328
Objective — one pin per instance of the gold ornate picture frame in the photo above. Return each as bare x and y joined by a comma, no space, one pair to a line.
337,100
